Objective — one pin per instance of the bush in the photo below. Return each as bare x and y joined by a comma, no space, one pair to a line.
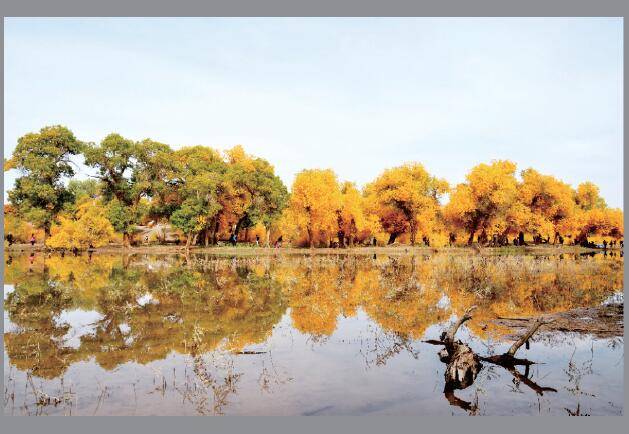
90,228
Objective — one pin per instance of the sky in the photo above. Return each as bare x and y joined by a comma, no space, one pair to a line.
352,94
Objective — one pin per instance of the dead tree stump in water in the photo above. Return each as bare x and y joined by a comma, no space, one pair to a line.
463,364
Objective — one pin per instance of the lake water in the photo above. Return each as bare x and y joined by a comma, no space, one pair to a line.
298,334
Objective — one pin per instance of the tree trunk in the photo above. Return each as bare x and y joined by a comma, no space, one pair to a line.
46,232
310,238
413,234
341,236
188,240
215,232
268,237
582,238
482,238
241,220
392,238
470,240
125,240
353,230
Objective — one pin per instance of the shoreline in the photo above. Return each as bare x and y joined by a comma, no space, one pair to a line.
246,250
601,322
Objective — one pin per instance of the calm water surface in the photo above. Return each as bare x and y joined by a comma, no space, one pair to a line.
298,334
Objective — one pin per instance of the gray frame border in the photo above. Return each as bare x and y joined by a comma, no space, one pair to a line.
319,8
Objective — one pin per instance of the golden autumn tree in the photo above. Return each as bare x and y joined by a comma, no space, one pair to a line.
404,195
588,196
484,199
17,229
90,227
615,222
314,203
604,222
391,220
593,218
519,218
352,218
550,202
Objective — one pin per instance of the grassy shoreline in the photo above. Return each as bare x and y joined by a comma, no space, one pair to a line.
246,250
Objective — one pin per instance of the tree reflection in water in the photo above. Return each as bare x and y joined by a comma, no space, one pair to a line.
147,307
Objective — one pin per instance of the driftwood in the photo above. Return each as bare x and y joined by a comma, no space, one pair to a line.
463,364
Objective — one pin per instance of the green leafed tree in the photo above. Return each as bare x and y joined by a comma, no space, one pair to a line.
189,218
43,158
84,188
129,171
197,182
266,194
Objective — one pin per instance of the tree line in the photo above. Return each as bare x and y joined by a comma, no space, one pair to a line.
210,196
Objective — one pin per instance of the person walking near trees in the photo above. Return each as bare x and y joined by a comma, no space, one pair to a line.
32,240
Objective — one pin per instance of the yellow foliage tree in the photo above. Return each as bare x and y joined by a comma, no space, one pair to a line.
315,202
90,227
352,219
550,201
606,222
588,196
484,200
404,196
19,229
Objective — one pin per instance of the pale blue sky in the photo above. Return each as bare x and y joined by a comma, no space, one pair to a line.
355,95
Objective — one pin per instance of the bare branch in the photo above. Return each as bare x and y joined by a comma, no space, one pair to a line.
449,336
526,336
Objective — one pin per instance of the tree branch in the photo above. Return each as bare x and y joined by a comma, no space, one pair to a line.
526,336
449,335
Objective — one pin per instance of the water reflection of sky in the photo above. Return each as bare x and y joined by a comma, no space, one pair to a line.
80,322
9,327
